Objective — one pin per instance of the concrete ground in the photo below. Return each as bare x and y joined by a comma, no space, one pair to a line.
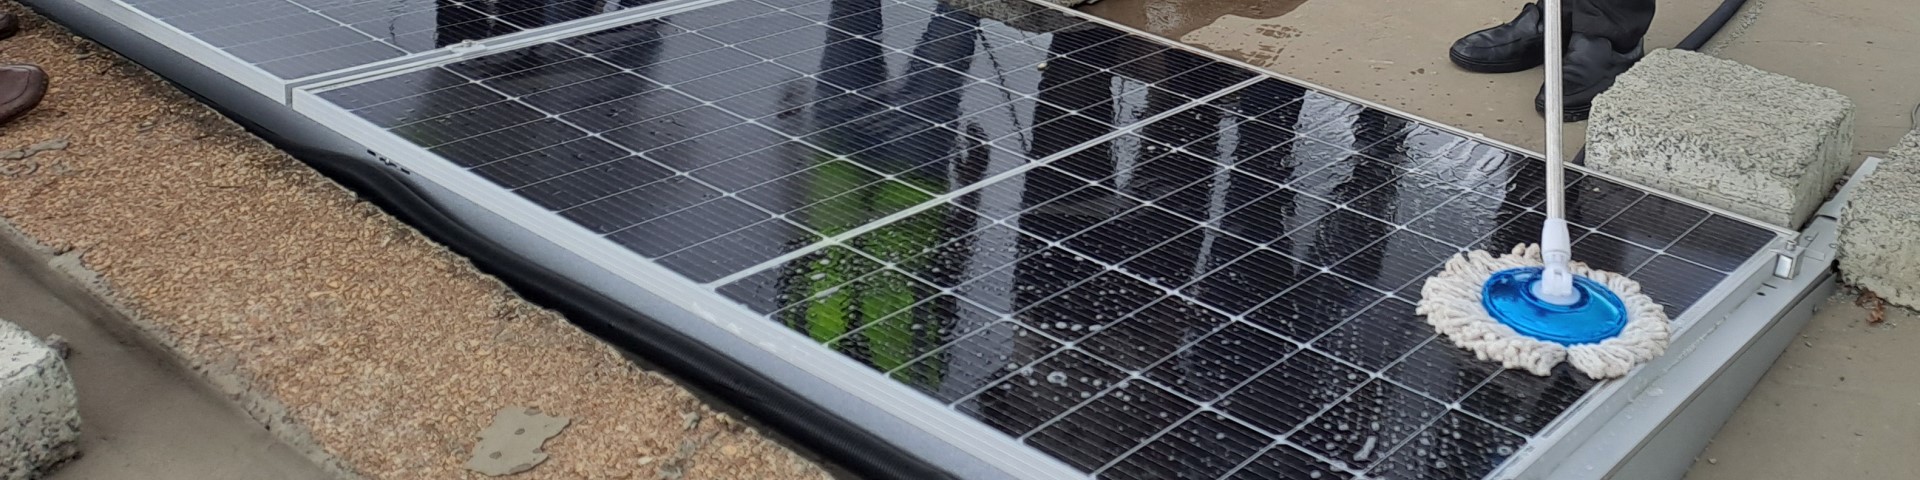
142,415
1394,52
1841,402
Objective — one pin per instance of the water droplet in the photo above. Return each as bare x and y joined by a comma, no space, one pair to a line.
1058,378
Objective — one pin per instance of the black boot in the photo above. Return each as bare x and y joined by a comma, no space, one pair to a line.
1509,47
1591,65
21,87
9,25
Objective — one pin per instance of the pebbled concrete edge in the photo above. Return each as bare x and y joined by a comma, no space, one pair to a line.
1880,232
1724,133
84,289
39,408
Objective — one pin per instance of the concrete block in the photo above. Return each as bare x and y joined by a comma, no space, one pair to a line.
1729,135
39,416
1880,233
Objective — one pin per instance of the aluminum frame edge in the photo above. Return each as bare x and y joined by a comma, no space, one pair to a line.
911,420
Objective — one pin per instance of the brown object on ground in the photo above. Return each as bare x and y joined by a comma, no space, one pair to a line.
21,88
1876,306
511,444
357,340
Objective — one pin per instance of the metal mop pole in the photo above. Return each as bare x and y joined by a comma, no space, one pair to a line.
1556,282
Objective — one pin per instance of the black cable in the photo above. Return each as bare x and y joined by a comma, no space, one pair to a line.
1711,26
708,370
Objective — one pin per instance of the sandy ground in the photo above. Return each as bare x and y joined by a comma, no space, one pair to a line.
386,352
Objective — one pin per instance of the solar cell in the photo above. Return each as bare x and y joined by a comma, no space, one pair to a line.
1129,256
292,39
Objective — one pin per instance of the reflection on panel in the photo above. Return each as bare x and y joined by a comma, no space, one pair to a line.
297,38
1129,256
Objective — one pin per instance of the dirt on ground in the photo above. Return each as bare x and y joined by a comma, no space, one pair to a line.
378,352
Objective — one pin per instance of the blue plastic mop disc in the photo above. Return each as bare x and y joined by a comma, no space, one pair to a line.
1598,315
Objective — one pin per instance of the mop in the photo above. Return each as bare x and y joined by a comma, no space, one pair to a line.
1534,307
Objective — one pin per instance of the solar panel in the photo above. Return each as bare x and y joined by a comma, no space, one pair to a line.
1136,259
297,38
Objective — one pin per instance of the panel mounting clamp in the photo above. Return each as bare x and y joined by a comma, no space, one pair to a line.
1786,264
466,47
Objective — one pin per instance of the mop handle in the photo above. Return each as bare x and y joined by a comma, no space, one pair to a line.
1556,181
1556,251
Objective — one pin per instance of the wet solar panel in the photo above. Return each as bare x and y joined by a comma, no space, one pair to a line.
1134,258
292,39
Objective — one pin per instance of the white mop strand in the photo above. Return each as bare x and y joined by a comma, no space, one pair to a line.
1451,302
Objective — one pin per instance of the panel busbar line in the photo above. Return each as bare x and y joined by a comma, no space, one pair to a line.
291,39
1133,258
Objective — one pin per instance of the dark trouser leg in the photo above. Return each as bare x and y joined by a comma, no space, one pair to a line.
1622,22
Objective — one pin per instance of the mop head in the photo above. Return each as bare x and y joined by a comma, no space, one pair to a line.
1452,303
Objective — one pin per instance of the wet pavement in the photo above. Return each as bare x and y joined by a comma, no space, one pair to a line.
1175,18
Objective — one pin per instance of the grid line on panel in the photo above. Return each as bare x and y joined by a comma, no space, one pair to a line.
302,10
617,69
1304,346
1072,409
1127,246
631,154
557,44
1589,230
550,116
669,87
557,115
949,196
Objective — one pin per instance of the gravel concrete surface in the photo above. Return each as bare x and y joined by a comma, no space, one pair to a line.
135,400
357,339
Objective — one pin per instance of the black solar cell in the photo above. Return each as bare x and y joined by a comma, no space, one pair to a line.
1142,261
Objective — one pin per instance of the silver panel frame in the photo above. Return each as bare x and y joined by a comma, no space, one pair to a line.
1592,411
869,398
892,411
1668,422
1580,423
157,31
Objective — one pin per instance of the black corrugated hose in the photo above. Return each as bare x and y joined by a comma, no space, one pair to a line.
1711,26
705,369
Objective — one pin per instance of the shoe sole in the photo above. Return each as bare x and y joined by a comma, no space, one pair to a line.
1475,66
1570,113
